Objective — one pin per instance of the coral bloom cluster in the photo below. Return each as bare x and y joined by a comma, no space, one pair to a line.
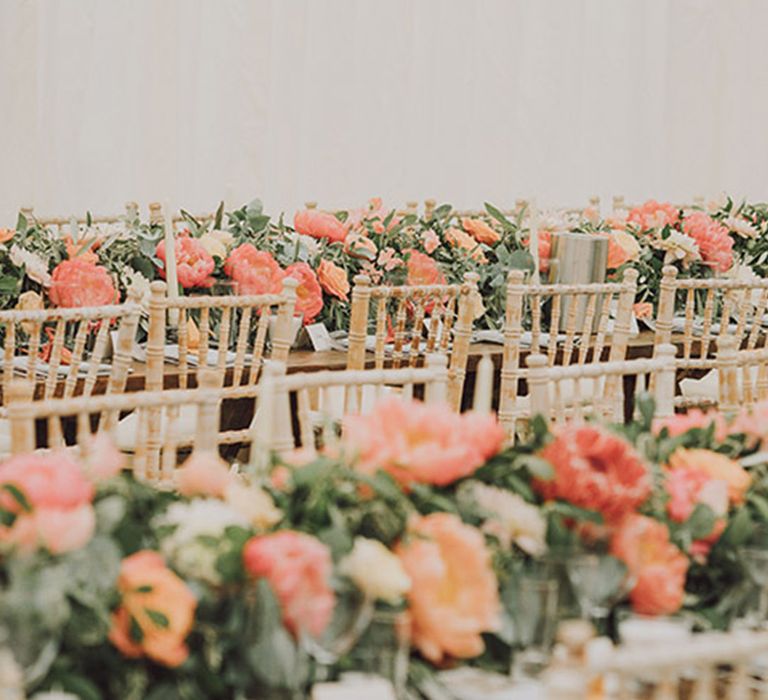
77,283
298,568
653,215
194,264
595,469
156,611
713,239
454,594
49,497
320,224
423,443
423,270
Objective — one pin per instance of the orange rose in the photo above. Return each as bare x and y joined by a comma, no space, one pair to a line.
458,239
309,296
77,283
657,566
156,613
622,248
454,593
423,270
360,247
716,466
6,234
481,231
333,279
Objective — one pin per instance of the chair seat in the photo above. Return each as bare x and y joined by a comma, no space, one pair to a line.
707,388
185,426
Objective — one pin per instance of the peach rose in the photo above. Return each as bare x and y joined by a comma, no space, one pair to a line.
681,423
309,295
454,593
319,224
77,283
204,475
622,248
458,239
103,460
156,612
423,270
421,443
194,264
29,301
255,271
298,567
360,247
333,280
6,234
716,466
481,231
657,566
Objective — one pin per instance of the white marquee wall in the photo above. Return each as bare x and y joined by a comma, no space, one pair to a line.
102,101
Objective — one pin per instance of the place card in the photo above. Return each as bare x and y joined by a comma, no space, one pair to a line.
319,336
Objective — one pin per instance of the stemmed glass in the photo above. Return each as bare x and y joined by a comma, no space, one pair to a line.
599,581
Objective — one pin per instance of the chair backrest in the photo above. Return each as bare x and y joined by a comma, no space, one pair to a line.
558,393
62,226
578,315
713,309
336,394
447,310
239,325
157,216
704,667
155,456
63,351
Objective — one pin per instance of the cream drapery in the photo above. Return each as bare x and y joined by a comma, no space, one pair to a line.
187,101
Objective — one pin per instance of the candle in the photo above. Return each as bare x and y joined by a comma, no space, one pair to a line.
483,385
170,267
533,226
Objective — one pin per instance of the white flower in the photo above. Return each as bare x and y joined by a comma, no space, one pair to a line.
376,571
510,519
253,504
311,245
224,237
744,273
215,246
741,227
189,547
714,494
678,246
35,267
134,279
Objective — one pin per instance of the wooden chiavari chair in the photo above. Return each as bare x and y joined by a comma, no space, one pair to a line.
155,456
447,309
714,310
62,226
157,216
548,398
75,353
359,391
579,318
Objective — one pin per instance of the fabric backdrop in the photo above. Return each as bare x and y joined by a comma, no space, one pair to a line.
189,101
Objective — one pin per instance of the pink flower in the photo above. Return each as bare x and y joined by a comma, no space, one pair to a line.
298,568
78,283
374,213
545,249
203,475
595,469
430,241
319,224
657,566
422,269
309,295
422,443
715,244
753,423
454,593
255,271
653,215
55,529
103,461
681,423
388,259
194,264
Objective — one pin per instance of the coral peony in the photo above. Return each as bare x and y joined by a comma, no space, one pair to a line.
319,224
422,443
687,487
156,612
454,597
255,271
422,269
656,565
194,264
653,215
595,469
459,239
76,283
681,423
712,238
481,231
298,567
622,248
53,507
716,466
333,279
204,474
309,295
